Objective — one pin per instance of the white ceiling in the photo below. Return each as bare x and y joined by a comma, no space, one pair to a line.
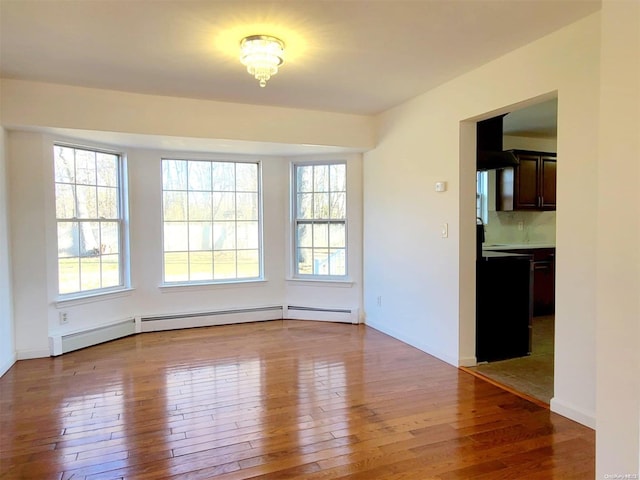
358,57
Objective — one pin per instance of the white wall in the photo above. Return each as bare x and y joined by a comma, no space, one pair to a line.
33,104
427,283
7,341
35,253
618,247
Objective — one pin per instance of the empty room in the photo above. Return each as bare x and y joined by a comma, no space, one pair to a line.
237,238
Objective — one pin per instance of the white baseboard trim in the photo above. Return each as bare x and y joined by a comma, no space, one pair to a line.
429,349
7,364
467,361
29,354
572,412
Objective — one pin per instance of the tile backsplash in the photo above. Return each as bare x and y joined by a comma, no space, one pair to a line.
537,227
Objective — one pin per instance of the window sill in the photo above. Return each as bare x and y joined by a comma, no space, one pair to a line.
317,282
190,287
91,298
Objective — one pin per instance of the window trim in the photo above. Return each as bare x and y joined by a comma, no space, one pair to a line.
295,276
124,261
190,284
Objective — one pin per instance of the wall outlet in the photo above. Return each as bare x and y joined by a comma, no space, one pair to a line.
63,317
520,225
379,300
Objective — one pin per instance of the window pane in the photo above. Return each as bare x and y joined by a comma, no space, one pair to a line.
305,205
201,266
174,175
64,164
246,177
321,261
321,178
320,235
68,239
175,206
224,264
304,235
87,202
85,167
89,239
224,206
176,267
338,203
199,206
337,264
305,261
200,234
321,205
304,178
338,178
224,178
247,233
109,238
90,273
107,169
176,236
65,201
107,202
247,206
248,263
68,275
199,176
224,235
337,235
110,271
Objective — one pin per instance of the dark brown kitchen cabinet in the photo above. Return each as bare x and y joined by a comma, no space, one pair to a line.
529,186
544,274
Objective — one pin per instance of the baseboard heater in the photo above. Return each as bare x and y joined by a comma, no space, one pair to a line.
68,342
212,318
345,315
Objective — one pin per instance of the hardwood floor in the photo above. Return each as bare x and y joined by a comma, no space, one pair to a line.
274,400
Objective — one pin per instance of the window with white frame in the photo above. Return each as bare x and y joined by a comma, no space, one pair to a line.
90,219
320,219
211,221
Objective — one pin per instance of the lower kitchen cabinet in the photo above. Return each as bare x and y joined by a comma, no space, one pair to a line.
544,278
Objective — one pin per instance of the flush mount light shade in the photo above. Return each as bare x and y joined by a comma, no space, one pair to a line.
262,55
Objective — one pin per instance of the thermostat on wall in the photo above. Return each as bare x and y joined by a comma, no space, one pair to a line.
441,186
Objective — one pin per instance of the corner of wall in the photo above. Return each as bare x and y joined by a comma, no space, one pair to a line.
7,335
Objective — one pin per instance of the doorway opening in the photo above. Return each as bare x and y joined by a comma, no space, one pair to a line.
517,207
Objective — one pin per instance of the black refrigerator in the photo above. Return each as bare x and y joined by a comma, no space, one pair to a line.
504,305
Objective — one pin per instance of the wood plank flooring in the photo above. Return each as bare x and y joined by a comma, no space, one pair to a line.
273,400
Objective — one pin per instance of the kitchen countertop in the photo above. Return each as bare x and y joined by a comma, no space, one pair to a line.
517,246
489,254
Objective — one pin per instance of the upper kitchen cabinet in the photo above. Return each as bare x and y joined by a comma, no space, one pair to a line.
529,186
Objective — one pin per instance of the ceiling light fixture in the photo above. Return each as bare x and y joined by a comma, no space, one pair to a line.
262,55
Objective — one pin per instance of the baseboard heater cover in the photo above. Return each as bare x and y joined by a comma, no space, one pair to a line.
154,323
345,315
68,342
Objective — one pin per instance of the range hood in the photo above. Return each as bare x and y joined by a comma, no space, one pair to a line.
489,153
